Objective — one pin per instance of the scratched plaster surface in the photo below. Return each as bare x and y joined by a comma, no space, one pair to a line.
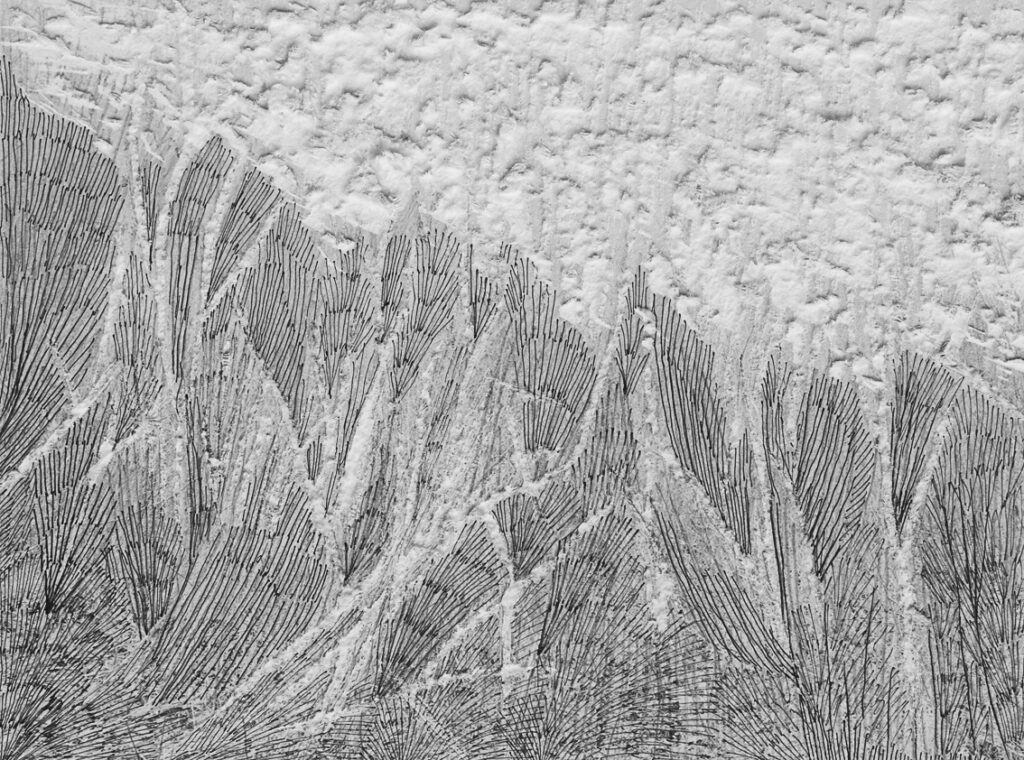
511,380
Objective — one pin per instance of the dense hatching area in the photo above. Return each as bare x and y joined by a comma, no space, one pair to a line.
271,494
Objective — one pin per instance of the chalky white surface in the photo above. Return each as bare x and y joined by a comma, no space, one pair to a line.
840,172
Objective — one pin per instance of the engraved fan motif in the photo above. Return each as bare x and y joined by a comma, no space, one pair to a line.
268,496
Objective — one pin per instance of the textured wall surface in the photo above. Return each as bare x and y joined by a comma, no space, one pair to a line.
850,169
511,381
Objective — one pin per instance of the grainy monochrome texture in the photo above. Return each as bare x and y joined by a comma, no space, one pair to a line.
284,488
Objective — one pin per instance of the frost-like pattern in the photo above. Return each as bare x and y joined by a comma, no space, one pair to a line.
266,493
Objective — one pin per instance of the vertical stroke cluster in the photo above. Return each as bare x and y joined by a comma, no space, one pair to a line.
269,494
972,568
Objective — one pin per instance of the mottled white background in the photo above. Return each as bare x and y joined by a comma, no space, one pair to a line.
849,172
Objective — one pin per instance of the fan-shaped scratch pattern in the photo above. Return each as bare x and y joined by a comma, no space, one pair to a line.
189,211
467,578
554,366
251,206
696,420
434,290
59,203
972,553
922,392
279,298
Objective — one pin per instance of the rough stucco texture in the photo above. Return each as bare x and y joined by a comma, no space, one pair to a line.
847,172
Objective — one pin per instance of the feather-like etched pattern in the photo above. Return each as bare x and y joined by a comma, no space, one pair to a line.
555,368
483,298
392,289
152,176
606,474
972,554
469,577
252,591
250,208
696,420
197,190
434,290
630,357
60,201
147,541
279,303
726,612
604,682
61,627
833,469
821,485
292,498
369,530
365,365
136,348
73,515
440,417
346,352
346,322
533,525
922,391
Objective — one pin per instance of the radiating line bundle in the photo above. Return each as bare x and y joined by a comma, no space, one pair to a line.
265,495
